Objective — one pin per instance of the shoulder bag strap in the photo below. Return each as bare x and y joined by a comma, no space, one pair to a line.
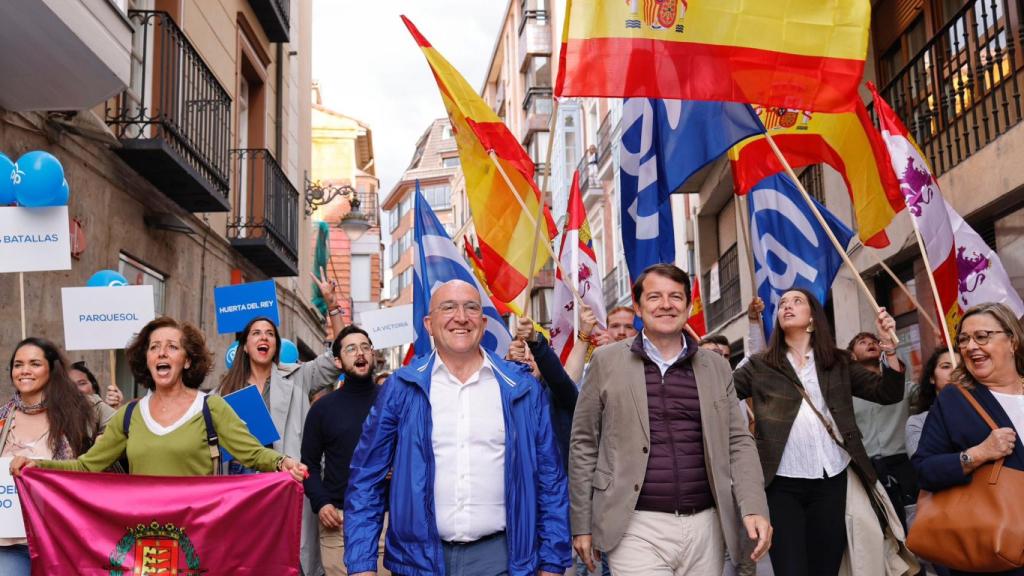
211,437
994,476
128,411
828,425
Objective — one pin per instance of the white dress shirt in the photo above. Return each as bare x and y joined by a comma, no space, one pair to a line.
810,451
469,453
652,352
1013,405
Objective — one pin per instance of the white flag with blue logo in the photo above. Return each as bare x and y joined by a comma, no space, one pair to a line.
791,250
437,261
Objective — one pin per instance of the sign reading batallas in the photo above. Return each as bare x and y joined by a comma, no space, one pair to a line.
105,318
34,239
240,303
388,327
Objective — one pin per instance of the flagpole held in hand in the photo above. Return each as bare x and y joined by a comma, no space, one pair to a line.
535,222
743,214
828,231
540,207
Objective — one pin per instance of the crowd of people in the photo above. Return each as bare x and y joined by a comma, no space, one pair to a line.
645,452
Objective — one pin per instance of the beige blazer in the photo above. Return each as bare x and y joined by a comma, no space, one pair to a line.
611,441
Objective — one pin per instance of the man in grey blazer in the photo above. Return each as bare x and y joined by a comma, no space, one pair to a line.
660,457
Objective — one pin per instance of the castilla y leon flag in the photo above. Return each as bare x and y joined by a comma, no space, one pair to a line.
81,523
696,320
578,259
965,269
803,54
505,228
846,141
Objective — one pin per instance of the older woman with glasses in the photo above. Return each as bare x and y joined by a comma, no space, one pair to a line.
956,441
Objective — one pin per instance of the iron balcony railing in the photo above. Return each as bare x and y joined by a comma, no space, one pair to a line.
962,90
728,303
267,206
174,97
274,16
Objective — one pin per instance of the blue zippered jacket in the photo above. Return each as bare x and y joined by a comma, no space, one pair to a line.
397,436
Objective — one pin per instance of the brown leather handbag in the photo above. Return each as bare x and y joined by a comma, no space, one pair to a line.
977,527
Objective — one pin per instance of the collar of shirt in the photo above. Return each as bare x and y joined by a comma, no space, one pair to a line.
440,368
808,363
655,355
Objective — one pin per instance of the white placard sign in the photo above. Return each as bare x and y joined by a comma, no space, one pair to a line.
714,284
11,523
105,318
34,239
388,327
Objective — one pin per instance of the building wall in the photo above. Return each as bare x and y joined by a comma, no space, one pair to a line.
111,200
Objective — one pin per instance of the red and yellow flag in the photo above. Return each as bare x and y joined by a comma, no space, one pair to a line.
847,142
696,320
804,54
505,229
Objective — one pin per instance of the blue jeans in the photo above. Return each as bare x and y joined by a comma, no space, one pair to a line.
14,560
602,567
487,557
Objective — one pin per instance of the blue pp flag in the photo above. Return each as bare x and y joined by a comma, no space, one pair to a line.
438,261
791,250
664,142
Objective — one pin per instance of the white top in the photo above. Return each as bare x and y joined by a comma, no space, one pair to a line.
810,451
915,425
655,356
156,428
1013,405
469,453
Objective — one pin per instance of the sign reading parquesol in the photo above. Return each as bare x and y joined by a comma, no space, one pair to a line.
34,239
105,318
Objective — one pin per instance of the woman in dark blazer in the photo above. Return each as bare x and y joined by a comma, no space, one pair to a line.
955,440
804,468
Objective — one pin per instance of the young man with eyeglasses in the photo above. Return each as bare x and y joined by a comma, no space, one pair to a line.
478,488
330,436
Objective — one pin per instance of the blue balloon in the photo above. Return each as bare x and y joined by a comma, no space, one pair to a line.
39,180
289,352
106,278
6,186
229,356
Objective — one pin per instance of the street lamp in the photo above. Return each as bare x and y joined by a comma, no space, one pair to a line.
318,194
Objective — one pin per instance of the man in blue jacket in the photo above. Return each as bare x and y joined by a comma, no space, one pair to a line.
477,487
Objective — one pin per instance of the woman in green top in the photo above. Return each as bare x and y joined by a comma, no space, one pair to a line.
167,433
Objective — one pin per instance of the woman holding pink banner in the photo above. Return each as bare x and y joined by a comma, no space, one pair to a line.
46,418
175,427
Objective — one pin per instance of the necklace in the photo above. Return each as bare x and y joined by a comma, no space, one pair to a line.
28,408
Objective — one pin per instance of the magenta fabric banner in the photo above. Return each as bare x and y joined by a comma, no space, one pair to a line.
89,524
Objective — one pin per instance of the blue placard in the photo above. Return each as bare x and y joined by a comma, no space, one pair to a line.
249,405
238,304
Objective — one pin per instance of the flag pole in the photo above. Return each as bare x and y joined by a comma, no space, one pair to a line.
526,210
903,287
744,217
21,294
935,290
821,221
552,126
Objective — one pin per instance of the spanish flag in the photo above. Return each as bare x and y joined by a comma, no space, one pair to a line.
696,320
804,54
846,141
505,230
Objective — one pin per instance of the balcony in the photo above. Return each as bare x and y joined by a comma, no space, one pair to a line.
534,36
62,54
274,17
728,304
538,106
963,89
266,227
174,121
590,184
616,288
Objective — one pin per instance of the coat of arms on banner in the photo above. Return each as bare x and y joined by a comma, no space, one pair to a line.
155,549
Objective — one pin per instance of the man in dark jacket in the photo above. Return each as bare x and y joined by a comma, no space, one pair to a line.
661,458
477,487
330,436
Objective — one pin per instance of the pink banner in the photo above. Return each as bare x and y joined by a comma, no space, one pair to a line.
89,524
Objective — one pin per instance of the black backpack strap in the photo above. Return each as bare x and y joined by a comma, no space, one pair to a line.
129,409
211,436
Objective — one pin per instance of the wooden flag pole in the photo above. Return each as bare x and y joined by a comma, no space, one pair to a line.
828,231
21,293
935,289
540,207
903,287
113,368
744,223
526,211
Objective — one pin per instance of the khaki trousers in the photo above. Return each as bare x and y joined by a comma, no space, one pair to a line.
663,544
332,549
